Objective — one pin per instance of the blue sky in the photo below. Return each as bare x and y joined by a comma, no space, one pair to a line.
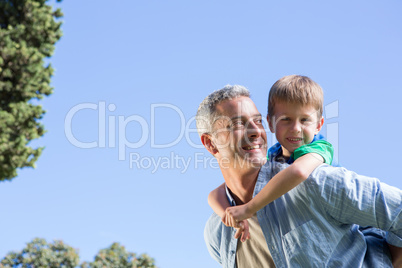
132,74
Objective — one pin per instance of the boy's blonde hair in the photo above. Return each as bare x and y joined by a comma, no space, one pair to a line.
296,89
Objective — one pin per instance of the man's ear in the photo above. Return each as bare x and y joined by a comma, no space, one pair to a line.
320,123
206,140
270,125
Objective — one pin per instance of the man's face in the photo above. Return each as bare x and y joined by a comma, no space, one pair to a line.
294,125
239,135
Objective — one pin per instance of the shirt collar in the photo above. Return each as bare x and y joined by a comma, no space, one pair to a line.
229,196
276,149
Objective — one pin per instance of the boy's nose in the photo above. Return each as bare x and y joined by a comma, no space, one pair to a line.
296,127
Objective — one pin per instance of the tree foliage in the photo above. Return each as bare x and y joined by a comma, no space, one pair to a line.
40,254
117,256
28,32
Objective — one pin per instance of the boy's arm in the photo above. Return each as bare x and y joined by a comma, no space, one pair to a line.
280,184
218,201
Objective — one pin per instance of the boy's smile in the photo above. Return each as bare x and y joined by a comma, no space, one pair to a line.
294,125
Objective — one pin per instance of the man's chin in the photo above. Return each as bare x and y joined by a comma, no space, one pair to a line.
251,162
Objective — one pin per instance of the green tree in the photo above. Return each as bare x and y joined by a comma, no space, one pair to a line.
28,32
40,254
116,256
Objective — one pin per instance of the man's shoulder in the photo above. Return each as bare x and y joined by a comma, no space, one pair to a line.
326,172
270,168
338,179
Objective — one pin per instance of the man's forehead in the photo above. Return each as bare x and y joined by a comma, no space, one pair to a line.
224,118
237,105
238,108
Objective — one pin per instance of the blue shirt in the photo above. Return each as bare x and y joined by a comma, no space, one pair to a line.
314,224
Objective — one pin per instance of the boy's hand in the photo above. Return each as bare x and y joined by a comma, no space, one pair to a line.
242,228
237,213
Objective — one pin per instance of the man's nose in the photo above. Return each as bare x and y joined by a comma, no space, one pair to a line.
253,130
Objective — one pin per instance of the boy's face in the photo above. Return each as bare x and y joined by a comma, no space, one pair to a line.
294,125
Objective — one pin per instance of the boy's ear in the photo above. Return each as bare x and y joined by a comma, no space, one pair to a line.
270,125
206,140
320,123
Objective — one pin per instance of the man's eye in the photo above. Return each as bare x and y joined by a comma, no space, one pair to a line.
237,124
258,121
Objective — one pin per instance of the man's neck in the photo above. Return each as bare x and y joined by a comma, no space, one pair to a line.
241,183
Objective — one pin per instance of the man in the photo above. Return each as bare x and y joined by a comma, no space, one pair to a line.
311,226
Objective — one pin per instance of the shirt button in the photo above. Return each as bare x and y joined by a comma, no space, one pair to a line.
233,252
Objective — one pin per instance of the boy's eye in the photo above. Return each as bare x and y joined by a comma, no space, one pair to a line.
285,119
306,120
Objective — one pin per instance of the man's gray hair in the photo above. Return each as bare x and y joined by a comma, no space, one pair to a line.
207,113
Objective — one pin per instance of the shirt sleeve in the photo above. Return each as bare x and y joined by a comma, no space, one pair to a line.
320,147
350,198
212,237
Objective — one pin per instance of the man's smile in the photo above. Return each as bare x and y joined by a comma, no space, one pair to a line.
252,147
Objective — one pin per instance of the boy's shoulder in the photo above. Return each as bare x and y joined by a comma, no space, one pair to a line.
274,151
318,145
